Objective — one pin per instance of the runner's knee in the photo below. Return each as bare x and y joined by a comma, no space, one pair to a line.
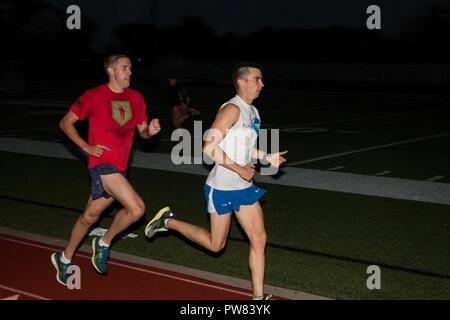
137,210
88,219
258,240
217,246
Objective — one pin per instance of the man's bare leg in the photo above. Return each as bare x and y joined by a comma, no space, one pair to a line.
133,206
213,240
94,209
252,221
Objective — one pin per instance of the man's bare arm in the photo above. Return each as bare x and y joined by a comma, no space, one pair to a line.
146,131
67,125
225,119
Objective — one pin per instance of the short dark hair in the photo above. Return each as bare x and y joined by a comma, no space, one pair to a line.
112,58
241,70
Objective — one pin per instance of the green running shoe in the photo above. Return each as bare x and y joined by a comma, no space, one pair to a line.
268,297
157,223
100,255
61,268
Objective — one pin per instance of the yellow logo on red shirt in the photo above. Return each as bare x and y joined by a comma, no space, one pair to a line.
121,112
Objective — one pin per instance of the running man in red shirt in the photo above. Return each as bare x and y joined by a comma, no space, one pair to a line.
114,112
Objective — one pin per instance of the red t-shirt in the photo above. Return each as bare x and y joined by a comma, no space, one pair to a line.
113,118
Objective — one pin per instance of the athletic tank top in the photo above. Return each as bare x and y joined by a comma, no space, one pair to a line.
239,145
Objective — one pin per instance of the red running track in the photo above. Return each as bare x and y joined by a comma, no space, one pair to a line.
26,270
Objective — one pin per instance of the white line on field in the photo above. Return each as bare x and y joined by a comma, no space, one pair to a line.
336,168
435,178
368,149
348,131
392,115
25,130
8,135
383,173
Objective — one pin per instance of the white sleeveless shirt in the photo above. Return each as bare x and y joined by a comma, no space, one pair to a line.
239,144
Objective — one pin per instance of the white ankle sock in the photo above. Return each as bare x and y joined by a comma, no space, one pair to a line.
166,221
100,242
63,259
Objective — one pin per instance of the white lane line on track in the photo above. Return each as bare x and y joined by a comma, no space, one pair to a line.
137,268
367,149
26,293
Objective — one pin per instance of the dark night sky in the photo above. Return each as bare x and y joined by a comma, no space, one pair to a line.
246,16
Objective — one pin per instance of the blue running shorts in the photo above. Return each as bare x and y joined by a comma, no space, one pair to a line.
96,183
225,201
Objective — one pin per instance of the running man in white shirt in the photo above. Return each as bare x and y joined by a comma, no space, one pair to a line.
231,143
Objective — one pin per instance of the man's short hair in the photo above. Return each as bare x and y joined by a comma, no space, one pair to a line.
241,71
112,58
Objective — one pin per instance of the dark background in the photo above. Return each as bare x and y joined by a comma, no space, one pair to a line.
300,44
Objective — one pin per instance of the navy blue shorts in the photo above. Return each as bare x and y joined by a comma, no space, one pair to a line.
97,190
225,201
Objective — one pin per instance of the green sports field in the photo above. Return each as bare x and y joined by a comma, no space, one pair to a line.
320,242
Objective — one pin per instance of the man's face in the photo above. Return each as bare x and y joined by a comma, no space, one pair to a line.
121,72
253,84
172,81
